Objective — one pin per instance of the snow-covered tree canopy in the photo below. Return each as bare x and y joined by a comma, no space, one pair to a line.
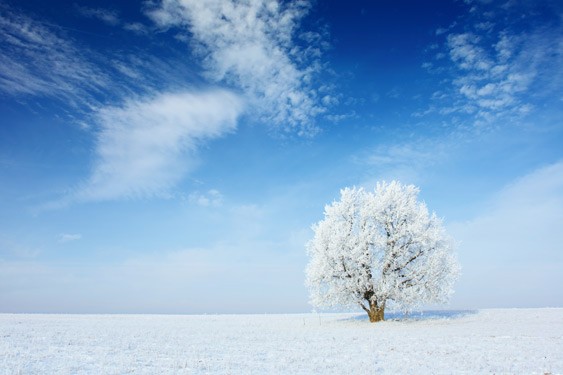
378,247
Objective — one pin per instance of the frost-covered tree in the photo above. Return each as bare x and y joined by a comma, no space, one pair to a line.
380,248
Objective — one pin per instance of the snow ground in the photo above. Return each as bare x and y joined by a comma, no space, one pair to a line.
511,341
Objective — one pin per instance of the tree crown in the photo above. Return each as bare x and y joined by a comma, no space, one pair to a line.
378,246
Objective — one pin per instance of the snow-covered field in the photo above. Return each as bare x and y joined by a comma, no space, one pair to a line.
512,341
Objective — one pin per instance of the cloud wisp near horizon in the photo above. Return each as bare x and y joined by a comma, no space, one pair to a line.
522,219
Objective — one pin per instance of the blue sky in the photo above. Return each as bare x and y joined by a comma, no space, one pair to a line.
170,156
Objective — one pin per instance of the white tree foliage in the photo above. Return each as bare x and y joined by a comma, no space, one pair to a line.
377,247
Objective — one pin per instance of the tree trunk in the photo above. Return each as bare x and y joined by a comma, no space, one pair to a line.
376,312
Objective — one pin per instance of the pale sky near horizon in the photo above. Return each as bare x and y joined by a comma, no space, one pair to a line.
170,156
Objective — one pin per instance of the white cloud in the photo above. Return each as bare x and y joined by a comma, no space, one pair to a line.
211,198
491,85
250,44
69,237
111,17
136,27
501,68
511,254
108,16
145,147
466,52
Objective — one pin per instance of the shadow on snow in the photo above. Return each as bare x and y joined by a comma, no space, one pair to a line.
419,315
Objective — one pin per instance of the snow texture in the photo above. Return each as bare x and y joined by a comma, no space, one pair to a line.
502,341
380,246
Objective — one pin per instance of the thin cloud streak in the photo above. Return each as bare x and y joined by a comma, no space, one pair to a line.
36,60
211,198
407,161
108,16
42,60
69,237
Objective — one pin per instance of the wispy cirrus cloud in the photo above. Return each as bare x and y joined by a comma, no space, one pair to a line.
36,60
405,161
211,198
499,63
136,27
251,45
145,147
109,16
69,237
40,59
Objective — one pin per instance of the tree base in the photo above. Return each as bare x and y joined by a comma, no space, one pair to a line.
376,313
